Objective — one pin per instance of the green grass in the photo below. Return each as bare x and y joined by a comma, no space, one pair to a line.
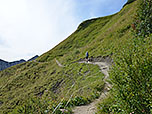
46,81
131,73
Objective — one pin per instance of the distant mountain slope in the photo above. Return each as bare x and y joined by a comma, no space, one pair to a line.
5,64
49,83
33,58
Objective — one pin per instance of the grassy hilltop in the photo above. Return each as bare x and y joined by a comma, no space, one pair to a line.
39,86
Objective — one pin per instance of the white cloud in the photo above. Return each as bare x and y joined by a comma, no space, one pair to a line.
32,27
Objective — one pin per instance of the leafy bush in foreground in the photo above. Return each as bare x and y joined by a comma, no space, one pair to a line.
131,76
144,19
131,73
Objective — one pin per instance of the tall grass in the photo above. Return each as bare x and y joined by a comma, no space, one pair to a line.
132,76
131,73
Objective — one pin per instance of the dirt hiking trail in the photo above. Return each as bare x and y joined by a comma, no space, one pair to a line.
59,64
92,108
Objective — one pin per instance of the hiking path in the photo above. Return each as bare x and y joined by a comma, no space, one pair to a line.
92,108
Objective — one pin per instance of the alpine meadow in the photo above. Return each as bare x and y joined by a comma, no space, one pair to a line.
61,79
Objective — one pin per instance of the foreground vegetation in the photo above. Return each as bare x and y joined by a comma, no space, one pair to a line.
131,73
42,86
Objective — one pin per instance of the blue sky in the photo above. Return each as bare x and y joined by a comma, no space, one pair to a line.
31,27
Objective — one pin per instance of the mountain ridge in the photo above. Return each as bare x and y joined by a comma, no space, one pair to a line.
5,64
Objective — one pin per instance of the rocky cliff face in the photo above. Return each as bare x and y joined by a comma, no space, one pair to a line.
5,64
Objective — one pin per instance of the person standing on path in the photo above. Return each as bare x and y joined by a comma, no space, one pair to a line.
87,56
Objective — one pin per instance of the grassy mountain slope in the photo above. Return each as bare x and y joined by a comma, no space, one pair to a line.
44,80
99,36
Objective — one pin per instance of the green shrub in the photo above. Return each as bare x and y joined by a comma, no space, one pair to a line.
131,73
108,105
144,19
131,76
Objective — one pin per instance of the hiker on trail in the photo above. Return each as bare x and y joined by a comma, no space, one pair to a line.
87,55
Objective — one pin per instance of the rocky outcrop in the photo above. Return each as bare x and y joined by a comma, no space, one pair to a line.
5,64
